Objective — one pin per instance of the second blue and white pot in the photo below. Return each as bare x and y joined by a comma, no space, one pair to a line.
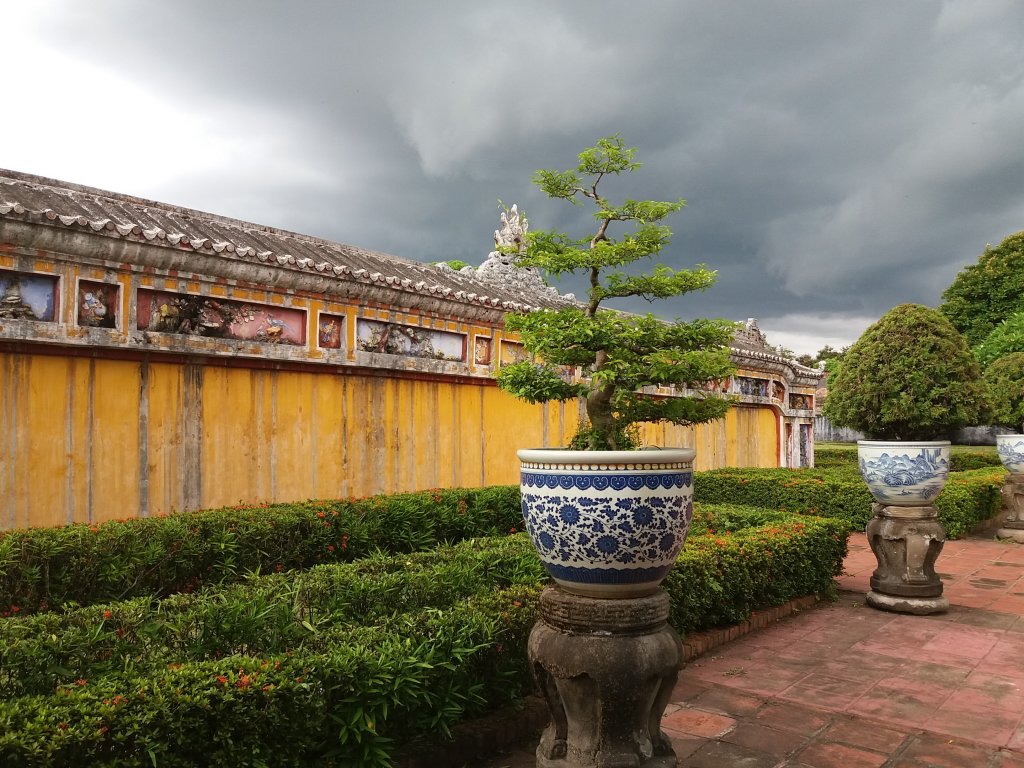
1011,452
608,523
904,473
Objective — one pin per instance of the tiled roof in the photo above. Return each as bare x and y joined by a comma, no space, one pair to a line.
93,211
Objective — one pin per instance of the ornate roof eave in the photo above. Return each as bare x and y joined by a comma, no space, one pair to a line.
791,370
82,222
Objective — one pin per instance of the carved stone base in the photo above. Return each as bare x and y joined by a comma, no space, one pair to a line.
919,606
906,542
1013,498
1015,534
607,668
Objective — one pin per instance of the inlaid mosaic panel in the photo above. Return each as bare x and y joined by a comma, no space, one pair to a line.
190,315
482,350
27,296
801,402
97,304
512,352
328,331
748,385
409,340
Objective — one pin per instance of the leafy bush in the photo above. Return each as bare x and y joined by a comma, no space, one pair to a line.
427,639
961,459
968,499
43,568
1005,339
986,293
910,376
1004,380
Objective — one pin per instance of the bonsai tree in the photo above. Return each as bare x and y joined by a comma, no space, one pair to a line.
910,376
1004,380
619,353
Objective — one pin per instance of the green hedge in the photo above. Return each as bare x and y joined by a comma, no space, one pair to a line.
396,648
352,703
44,568
961,458
969,497
263,615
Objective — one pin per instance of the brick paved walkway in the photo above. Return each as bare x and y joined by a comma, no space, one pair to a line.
846,686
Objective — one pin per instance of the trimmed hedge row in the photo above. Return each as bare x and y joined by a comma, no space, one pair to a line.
263,615
358,694
961,459
44,568
969,497
349,704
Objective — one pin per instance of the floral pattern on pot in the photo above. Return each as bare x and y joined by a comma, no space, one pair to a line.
904,474
1011,452
604,532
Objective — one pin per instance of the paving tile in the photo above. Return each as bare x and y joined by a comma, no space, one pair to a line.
683,745
865,735
826,691
832,755
697,722
792,717
1009,760
901,699
961,640
960,717
718,754
728,702
993,690
771,740
939,752
932,672
688,687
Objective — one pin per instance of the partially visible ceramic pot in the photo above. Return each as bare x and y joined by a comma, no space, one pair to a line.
608,523
904,473
1011,452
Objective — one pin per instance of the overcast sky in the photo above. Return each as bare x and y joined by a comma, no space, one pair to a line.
837,158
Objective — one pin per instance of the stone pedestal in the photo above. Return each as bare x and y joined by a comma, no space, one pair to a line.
607,668
906,542
1013,498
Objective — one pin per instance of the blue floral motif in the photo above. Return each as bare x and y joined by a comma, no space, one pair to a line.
617,536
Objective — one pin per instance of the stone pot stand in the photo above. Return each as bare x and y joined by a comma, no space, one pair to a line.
608,526
1011,454
905,534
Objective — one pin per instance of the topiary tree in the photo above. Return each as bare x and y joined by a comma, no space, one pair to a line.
986,293
910,376
1004,380
1005,339
619,353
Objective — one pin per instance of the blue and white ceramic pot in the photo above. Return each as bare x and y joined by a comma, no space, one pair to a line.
904,473
1011,452
608,523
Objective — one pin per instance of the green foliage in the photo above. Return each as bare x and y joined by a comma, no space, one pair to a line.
1005,339
618,353
1004,380
364,659
961,459
910,376
986,293
455,264
44,568
969,498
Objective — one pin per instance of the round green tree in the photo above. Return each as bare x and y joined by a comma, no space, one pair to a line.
1005,339
910,376
1004,379
620,354
986,293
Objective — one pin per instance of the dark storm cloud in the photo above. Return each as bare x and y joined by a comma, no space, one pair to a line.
837,158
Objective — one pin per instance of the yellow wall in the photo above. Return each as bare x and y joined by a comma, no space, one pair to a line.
84,439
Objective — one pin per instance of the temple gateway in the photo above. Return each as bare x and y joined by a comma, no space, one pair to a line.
157,359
